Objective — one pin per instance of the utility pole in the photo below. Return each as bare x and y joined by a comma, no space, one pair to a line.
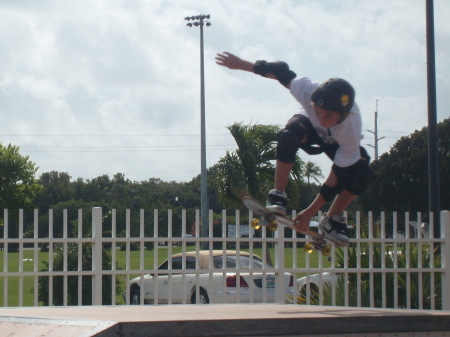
198,21
376,132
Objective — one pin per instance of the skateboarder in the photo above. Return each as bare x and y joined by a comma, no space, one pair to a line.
328,122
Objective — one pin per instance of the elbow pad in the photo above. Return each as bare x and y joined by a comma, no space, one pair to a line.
279,68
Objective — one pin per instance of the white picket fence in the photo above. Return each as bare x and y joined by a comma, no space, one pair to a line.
14,277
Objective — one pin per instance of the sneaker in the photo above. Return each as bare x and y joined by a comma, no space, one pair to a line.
277,200
335,229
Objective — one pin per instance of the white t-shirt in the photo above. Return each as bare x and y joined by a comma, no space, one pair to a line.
347,134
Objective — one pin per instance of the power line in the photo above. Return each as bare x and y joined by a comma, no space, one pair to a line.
194,149
148,135
121,147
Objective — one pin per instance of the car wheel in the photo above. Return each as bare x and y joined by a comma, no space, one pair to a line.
314,293
135,296
204,299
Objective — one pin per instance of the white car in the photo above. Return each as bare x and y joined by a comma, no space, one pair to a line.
229,280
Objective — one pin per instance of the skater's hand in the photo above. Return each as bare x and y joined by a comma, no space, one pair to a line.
231,61
302,220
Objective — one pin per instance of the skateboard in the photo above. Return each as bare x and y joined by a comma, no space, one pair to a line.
271,221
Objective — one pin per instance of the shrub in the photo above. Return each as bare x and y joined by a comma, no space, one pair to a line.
418,281
73,286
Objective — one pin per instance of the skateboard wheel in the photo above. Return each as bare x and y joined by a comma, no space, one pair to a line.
255,224
326,250
308,247
272,226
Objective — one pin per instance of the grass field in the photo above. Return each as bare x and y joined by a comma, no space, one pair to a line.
14,284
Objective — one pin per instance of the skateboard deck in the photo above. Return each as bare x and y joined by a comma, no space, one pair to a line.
271,220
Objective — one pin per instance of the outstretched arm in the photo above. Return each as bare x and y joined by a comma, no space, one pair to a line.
231,61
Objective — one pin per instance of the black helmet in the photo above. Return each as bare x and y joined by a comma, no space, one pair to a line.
334,94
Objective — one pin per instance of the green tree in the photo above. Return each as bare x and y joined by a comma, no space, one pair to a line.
250,169
18,185
72,208
312,171
402,174
56,188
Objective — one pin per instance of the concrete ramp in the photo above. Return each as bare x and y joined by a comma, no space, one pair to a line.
51,327
261,320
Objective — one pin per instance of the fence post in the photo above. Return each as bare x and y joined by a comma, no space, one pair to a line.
97,256
445,259
280,294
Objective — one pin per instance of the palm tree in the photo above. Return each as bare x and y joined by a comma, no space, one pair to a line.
312,171
250,168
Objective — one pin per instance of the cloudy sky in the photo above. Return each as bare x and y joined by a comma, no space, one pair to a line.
107,86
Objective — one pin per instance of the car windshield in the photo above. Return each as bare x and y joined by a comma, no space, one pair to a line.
233,261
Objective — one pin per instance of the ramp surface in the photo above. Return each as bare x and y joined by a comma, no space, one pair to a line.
221,320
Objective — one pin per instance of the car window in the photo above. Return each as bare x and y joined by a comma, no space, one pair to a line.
190,262
177,263
232,261
164,266
229,262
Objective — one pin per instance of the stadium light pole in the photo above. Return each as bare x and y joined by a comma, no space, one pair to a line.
199,21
